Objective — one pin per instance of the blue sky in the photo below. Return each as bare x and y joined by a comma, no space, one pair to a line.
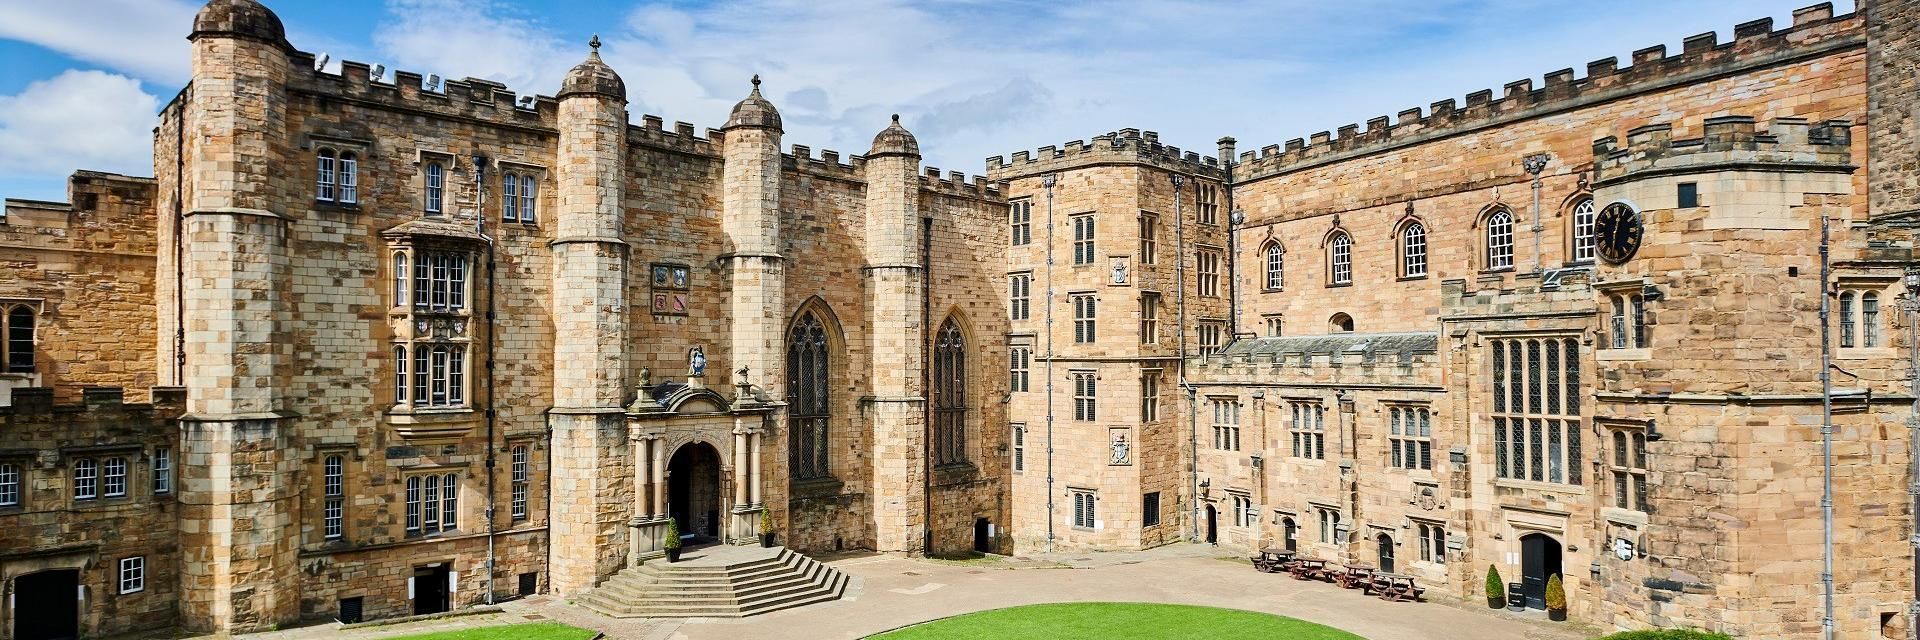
81,80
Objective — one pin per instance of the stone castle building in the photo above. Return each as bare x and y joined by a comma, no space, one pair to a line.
393,344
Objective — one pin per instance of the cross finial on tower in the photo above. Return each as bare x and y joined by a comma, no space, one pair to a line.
756,82
896,118
595,43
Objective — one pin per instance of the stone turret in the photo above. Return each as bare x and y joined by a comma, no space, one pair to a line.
235,436
590,488
896,286
756,271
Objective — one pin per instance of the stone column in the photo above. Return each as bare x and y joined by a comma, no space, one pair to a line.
590,511
896,282
759,472
740,470
642,477
238,537
659,479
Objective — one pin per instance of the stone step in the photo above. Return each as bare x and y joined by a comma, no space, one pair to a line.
769,583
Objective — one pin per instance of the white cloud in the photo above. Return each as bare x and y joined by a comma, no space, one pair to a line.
476,38
146,38
78,120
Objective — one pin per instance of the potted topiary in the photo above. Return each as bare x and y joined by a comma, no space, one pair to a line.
1556,599
1496,590
766,527
673,541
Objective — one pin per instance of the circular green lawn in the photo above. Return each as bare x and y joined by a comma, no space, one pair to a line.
1116,621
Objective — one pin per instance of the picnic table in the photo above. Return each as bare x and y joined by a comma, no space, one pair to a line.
1355,576
1271,560
1305,568
1394,587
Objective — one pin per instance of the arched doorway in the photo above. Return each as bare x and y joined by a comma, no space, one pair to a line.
47,605
1386,553
693,491
1213,521
1290,534
1539,559
982,535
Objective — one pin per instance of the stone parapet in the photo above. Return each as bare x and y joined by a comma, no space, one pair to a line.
1126,146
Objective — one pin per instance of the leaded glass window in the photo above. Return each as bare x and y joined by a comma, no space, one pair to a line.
950,395
807,385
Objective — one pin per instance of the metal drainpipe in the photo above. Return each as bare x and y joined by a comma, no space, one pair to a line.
179,244
1180,333
1049,181
1912,305
479,178
1826,431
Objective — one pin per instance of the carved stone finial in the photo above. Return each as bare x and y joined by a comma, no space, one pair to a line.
896,118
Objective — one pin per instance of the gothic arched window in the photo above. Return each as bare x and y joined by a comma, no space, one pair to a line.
1340,259
807,384
1413,250
950,395
1583,231
1500,240
1276,267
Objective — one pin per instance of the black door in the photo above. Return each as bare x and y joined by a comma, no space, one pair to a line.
982,536
1213,534
1539,558
1290,532
430,593
46,605
1386,553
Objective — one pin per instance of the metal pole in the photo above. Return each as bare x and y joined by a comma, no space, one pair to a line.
1049,182
1826,431
1912,306
1180,333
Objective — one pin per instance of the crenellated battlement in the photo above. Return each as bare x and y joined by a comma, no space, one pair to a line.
1755,44
1130,146
1395,359
683,137
471,98
1726,140
955,183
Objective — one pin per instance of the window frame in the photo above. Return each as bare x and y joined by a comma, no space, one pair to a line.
1020,296
1086,317
132,575
1536,410
1018,431
13,482
1149,317
1413,250
1206,267
1020,222
520,461
1584,241
113,477
86,479
1276,325
1340,259
1150,395
1307,427
1274,267
13,337
950,395
1086,395
1498,241
1084,229
1410,437
1086,509
434,188
162,471
1226,422
1626,463
333,508
1210,336
1020,368
1149,238
809,369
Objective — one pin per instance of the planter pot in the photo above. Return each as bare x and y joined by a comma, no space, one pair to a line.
673,555
1496,602
1557,615
766,540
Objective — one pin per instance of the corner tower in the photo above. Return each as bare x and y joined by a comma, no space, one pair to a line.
750,218
590,484
896,291
239,569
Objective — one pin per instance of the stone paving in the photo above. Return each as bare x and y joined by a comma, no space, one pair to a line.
891,591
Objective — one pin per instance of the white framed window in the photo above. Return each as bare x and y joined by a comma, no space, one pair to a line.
1340,259
1149,318
1226,424
1150,395
1149,238
1020,222
86,479
1085,317
440,281
324,175
1629,469
449,494
1019,447
1870,319
1083,239
333,488
162,470
1019,368
1433,542
1276,262
1085,396
1020,296
436,187
133,574
1329,525
518,193
432,505
1276,326
348,179
1244,515
336,178
522,461
1500,240
1207,267
1536,409
10,482
1410,437
114,477
1309,430
1083,509
1583,241
1413,251
1212,334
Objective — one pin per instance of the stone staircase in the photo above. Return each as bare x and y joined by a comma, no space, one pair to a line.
718,581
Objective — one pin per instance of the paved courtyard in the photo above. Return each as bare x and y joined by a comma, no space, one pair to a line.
891,591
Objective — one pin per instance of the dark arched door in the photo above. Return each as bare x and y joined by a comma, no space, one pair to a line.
693,491
1539,559
982,535
1386,553
1213,531
1290,534
47,605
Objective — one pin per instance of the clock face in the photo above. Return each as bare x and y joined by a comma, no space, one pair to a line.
1616,232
